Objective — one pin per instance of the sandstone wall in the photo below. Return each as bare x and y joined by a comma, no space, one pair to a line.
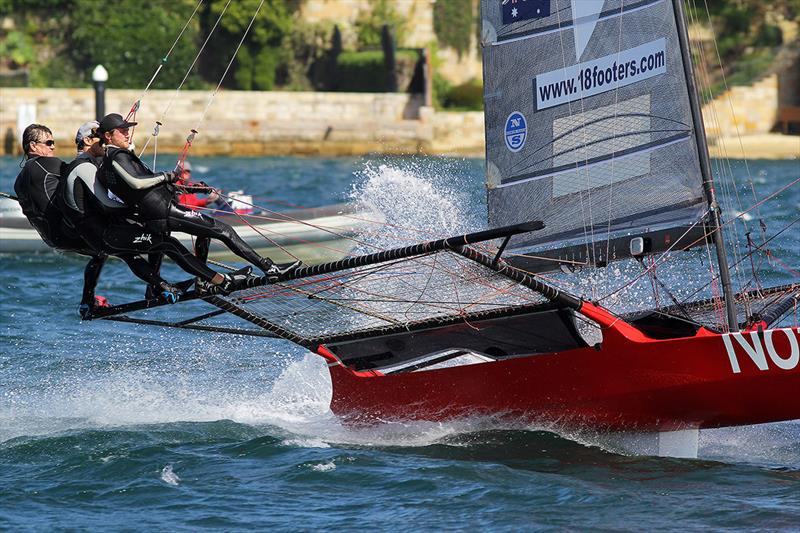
750,109
237,122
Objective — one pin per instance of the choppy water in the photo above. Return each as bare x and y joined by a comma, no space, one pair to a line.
107,425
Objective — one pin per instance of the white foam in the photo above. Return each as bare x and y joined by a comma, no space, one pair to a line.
324,467
419,200
169,477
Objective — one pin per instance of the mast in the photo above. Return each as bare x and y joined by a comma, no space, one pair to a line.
705,169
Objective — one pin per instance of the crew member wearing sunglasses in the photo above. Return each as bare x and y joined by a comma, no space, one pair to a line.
36,185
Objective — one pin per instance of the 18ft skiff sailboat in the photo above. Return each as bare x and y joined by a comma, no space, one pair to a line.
595,153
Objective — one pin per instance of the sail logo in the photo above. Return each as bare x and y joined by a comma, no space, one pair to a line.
517,10
600,75
516,131
781,347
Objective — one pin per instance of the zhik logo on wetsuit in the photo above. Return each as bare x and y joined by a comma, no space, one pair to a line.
144,237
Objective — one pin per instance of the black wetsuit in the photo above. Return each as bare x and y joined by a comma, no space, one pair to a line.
106,223
153,196
36,187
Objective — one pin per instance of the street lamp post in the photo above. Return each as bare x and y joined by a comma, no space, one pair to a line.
99,77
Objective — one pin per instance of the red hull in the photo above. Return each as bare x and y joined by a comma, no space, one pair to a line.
630,382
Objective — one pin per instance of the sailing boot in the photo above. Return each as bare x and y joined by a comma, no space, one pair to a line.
233,281
153,292
86,310
275,273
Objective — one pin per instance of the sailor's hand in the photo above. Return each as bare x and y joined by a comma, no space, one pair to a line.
172,176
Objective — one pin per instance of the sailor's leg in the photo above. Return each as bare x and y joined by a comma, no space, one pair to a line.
155,261
141,268
201,246
90,276
194,223
184,258
134,239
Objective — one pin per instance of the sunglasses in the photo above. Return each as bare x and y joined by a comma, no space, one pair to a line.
49,143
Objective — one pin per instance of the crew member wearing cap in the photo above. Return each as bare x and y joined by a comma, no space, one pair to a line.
106,224
152,195
190,198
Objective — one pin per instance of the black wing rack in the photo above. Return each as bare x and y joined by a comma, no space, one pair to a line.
438,282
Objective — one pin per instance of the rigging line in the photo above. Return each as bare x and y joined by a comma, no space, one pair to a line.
664,255
221,265
274,243
613,160
296,240
351,308
662,258
289,218
356,276
781,263
730,101
757,248
672,297
164,59
427,233
159,123
727,181
222,78
424,232
732,220
586,235
719,201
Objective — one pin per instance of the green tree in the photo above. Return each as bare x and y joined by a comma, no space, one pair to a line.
370,22
261,55
131,38
453,22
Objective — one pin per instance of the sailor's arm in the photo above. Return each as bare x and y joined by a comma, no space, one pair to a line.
135,175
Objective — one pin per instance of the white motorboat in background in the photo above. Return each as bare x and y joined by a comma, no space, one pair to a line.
314,235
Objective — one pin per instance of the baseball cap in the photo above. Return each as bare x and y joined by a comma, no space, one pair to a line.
87,129
113,121
187,166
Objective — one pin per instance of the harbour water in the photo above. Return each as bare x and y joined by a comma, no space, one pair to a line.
123,427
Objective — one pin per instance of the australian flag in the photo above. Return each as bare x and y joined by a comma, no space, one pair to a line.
517,10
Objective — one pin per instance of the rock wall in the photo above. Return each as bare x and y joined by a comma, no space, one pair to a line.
237,122
749,110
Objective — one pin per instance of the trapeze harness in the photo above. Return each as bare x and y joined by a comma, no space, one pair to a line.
105,223
153,195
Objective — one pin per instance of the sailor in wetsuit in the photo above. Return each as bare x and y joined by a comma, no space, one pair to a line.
35,187
105,223
153,197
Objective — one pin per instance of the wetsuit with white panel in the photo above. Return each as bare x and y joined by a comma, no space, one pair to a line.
153,197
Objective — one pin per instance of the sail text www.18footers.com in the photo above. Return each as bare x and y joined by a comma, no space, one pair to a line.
600,75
